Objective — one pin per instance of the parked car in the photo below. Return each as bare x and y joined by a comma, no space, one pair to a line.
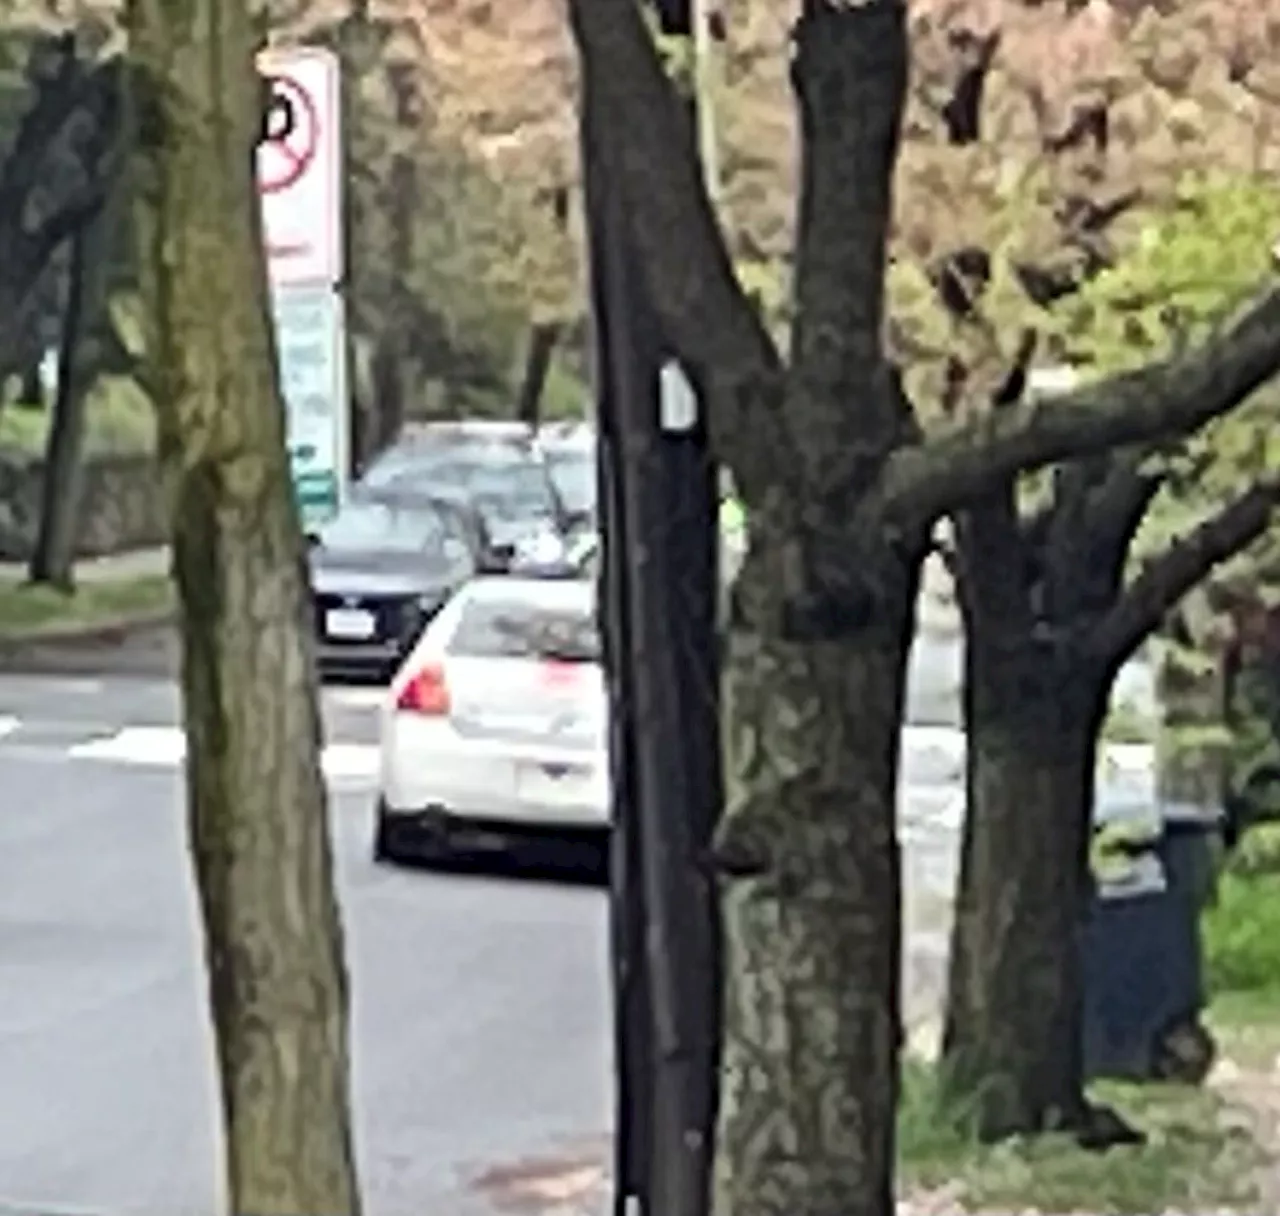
578,557
570,455
379,572
495,726
419,445
468,523
515,496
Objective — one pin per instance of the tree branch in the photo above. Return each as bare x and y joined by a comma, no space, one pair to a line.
1160,401
648,146
849,72
1115,509
1166,579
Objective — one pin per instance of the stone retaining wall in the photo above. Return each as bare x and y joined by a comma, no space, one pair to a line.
121,507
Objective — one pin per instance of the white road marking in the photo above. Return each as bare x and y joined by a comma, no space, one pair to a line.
350,761
150,746
8,724
166,747
355,698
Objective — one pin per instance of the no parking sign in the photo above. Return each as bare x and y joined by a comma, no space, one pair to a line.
300,166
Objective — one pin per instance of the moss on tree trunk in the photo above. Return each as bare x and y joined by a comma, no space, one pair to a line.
811,919
1012,1038
256,796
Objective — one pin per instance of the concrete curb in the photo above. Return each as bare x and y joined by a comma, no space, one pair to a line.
104,631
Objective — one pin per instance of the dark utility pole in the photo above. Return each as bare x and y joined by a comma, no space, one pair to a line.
618,368
659,597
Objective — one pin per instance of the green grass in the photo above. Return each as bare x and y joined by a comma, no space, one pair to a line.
1195,1159
1242,935
119,422
1258,852
27,612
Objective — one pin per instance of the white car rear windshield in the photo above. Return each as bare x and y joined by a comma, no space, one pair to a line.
497,629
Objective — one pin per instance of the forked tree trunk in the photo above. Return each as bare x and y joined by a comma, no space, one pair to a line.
256,797
1012,1039
812,1028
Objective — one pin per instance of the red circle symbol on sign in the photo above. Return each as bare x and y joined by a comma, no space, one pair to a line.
291,135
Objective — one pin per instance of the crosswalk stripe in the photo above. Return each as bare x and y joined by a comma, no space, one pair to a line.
166,747
150,746
355,697
8,724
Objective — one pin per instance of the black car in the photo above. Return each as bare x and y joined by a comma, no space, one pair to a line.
513,493
380,570
469,524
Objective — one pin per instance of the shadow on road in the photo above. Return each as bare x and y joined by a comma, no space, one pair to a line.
569,863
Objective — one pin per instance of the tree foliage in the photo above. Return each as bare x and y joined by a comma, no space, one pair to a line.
61,151
453,258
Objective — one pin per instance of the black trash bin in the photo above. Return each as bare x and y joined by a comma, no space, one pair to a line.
1143,973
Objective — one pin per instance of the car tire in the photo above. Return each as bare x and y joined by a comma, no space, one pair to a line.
382,850
427,848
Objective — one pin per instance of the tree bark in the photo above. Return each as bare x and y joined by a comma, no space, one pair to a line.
1011,1054
53,560
31,388
543,337
810,904
256,797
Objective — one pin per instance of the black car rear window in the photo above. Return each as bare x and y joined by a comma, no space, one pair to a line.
514,629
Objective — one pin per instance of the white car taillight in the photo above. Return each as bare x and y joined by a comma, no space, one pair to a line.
426,693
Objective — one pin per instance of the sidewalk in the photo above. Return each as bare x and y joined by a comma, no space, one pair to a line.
114,597
138,563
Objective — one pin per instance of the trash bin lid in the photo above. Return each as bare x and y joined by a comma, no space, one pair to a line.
1127,804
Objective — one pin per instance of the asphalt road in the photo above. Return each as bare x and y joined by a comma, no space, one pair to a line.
481,1014
480,1004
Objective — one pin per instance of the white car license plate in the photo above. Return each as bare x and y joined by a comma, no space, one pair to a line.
350,624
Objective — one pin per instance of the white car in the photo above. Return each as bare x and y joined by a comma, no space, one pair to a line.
496,725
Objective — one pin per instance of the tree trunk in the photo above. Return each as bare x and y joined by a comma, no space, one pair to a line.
31,383
1252,696
53,560
1011,1055
384,415
256,797
543,336
810,908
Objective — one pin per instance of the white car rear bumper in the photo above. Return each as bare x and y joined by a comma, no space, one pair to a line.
426,766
